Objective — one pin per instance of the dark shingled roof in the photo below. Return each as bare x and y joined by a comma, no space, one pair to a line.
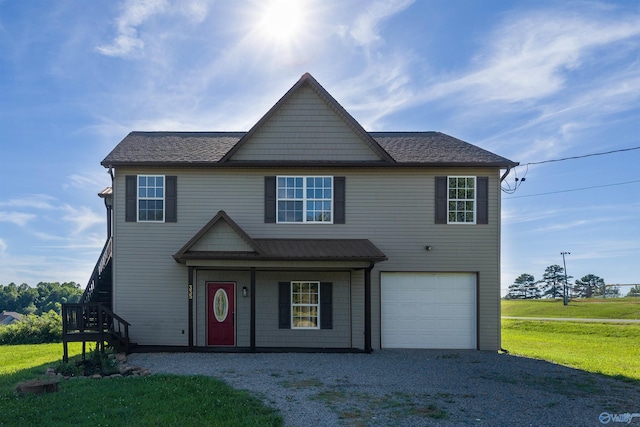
435,148
208,148
139,148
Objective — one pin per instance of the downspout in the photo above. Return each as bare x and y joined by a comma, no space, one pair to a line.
367,308
504,175
190,271
110,207
502,178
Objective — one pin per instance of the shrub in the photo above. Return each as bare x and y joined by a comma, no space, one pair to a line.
33,330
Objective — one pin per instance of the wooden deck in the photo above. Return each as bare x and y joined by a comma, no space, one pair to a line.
93,322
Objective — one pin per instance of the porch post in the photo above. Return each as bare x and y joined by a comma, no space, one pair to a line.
190,304
367,309
252,333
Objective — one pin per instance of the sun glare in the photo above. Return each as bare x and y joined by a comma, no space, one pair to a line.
282,20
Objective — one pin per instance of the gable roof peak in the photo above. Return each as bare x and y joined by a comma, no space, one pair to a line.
308,80
221,216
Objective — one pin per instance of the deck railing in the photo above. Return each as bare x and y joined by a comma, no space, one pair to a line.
105,256
93,322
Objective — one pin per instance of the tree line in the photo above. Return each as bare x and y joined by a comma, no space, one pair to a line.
46,296
552,285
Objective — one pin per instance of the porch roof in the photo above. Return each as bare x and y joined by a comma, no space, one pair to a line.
295,250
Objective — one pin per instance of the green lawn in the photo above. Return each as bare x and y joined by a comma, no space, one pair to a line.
137,401
610,349
610,308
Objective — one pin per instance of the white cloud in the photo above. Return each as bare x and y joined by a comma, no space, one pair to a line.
365,29
528,58
18,218
3,247
82,218
134,13
37,201
129,41
95,181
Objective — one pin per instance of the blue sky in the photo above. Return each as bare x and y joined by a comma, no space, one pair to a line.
531,81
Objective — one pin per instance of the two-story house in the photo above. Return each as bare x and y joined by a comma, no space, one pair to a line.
307,231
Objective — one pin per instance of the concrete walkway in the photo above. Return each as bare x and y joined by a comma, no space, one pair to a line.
574,319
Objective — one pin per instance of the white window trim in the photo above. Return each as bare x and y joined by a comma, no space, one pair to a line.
138,198
475,200
304,305
304,199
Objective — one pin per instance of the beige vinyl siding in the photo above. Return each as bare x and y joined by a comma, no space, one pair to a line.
305,128
392,207
269,335
221,238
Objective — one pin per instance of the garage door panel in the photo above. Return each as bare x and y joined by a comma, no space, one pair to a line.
428,310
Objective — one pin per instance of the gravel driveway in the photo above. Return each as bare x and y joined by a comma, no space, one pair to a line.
413,387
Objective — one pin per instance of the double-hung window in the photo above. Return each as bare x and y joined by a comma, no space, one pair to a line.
305,305
151,198
462,199
306,199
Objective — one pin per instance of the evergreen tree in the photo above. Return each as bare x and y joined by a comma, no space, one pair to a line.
553,281
634,291
588,286
524,287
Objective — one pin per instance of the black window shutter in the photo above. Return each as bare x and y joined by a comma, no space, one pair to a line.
482,200
326,305
131,190
171,199
441,199
339,199
269,199
284,305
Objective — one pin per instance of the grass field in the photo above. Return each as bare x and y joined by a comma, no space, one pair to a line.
594,308
609,349
136,401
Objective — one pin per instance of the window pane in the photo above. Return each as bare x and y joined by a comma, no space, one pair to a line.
310,193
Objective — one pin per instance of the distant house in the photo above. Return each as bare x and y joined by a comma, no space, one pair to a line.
305,232
9,317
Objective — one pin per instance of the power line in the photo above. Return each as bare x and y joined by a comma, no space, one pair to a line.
582,157
574,189
518,181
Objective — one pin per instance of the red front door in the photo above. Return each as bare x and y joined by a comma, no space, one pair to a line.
221,313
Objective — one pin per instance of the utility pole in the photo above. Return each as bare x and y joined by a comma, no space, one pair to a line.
566,299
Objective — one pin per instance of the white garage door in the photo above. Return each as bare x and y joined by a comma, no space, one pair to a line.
428,310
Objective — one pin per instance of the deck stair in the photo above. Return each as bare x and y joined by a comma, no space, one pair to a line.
92,319
93,322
